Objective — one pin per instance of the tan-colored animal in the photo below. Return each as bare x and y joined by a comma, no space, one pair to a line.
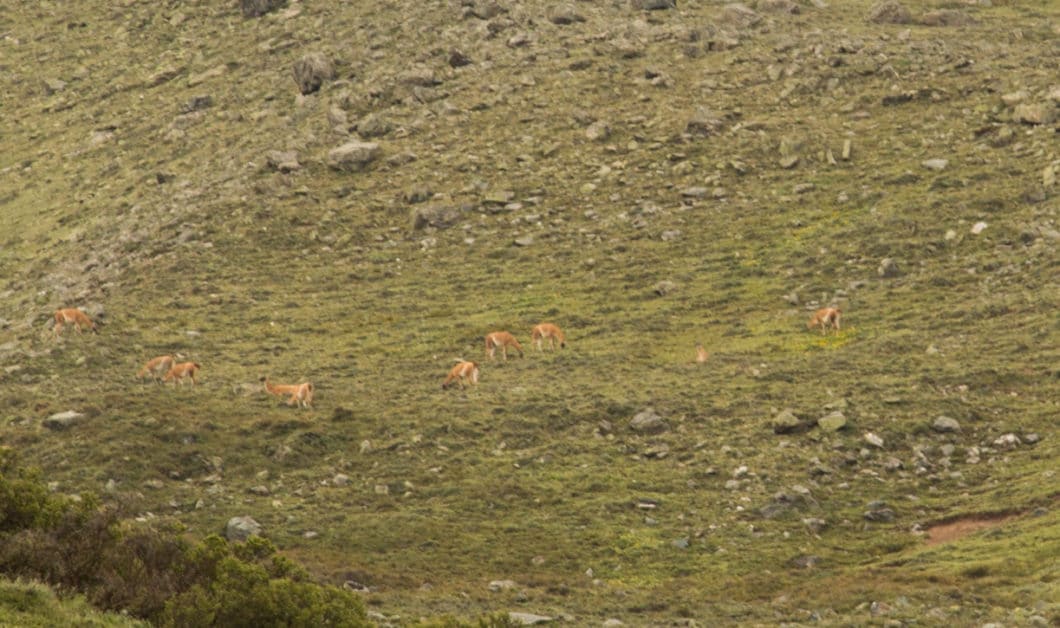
157,368
701,354
502,340
178,372
547,331
463,372
75,317
302,394
824,318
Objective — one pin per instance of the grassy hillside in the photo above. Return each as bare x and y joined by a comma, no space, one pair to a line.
648,180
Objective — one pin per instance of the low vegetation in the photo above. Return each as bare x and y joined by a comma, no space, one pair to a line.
355,194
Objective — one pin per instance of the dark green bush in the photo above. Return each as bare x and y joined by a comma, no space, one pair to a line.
154,574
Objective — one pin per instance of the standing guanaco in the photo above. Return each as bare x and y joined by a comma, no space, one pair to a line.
72,316
701,354
463,372
302,394
502,340
548,331
157,368
824,318
178,372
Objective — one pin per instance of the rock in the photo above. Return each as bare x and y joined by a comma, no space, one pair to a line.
879,512
935,164
738,16
785,422
257,8
978,228
945,424
947,17
63,420
873,439
1035,113
815,524
788,162
340,479
283,160
564,14
778,6
502,585
373,125
889,12
892,464
528,619
653,5
832,422
311,71
703,123
1008,441
353,156
524,240
664,287
598,131
1012,99
648,422
805,561
888,268
242,528
457,59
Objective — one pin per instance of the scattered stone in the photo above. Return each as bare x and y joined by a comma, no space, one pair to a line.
889,12
311,71
598,131
260,490
893,464
257,8
815,524
52,86
935,164
526,240
1035,113
832,422
497,586
653,5
648,422
738,15
63,420
703,123
694,192
1014,98
879,512
785,422
947,17
873,439
1031,438
564,14
788,162
805,562
373,125
888,268
340,479
283,160
528,619
664,287
1008,441
353,156
457,59
945,424
978,228
242,528
778,6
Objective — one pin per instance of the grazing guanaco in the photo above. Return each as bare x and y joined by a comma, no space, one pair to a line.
157,368
824,318
701,354
463,372
72,316
502,340
548,331
302,394
178,372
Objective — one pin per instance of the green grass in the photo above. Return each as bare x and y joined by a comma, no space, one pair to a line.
318,275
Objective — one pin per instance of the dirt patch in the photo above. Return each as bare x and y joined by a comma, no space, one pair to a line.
944,532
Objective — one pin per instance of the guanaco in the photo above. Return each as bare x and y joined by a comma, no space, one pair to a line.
178,372
548,331
157,368
75,317
824,318
502,340
701,354
463,372
302,394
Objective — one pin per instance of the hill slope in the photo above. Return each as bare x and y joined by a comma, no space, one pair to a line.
648,180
